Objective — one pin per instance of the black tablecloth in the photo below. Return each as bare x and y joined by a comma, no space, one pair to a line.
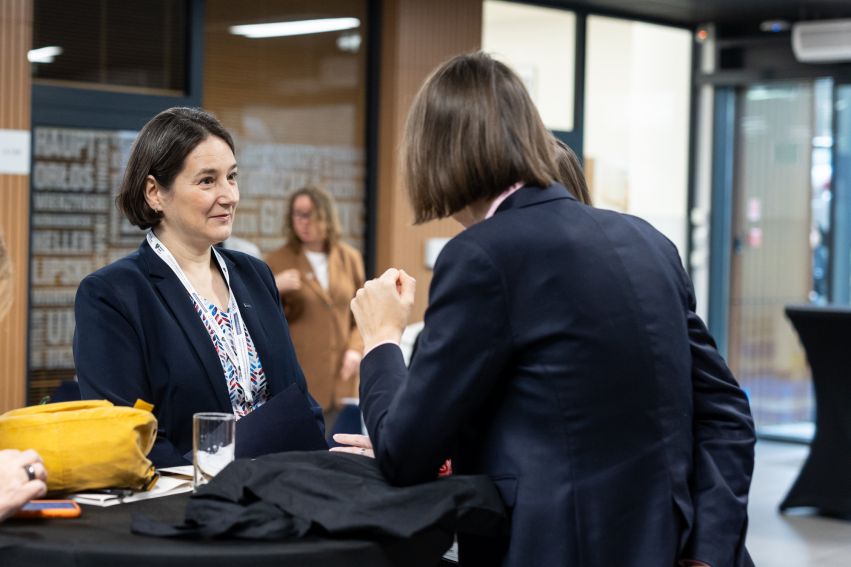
101,537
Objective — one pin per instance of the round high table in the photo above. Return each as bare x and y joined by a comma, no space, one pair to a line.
101,537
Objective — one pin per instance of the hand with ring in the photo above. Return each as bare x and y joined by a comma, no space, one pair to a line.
22,478
355,444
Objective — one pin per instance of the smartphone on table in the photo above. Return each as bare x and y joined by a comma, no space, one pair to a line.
49,509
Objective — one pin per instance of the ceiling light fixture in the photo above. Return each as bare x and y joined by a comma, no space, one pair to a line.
44,54
298,27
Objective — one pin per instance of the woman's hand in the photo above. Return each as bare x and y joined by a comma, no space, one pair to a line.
351,361
288,280
356,444
22,478
382,306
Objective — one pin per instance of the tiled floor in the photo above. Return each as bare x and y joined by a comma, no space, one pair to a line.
777,540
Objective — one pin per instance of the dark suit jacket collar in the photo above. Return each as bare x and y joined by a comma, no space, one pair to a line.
533,195
178,301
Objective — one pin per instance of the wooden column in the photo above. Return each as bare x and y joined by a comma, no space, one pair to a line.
416,37
15,41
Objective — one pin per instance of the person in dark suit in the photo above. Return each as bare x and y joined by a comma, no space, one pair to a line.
183,325
561,353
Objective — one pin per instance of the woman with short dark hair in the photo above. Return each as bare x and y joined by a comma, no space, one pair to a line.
180,324
561,353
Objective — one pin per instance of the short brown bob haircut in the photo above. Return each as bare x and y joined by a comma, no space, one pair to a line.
472,132
326,215
160,150
570,173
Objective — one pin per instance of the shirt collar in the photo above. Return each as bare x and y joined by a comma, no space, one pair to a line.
502,197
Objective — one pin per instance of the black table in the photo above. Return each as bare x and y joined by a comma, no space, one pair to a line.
101,537
824,482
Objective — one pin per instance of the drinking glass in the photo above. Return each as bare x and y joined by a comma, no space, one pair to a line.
213,443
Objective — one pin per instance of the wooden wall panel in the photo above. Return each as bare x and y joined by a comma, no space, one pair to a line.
416,37
15,40
296,107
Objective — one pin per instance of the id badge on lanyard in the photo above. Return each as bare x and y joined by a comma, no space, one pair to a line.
237,351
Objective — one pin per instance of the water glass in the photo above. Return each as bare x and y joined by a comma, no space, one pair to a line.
213,443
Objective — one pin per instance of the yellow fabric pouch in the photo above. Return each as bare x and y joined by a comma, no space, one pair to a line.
86,444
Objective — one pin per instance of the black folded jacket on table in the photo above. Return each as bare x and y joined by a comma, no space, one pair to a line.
318,492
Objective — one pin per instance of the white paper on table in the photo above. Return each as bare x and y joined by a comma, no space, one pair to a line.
185,470
165,486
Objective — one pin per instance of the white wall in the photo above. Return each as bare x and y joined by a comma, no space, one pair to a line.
539,44
636,121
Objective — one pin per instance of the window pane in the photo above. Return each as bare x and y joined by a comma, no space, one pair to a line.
539,44
137,44
772,257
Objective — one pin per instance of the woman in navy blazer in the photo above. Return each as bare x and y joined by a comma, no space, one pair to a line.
561,353
181,325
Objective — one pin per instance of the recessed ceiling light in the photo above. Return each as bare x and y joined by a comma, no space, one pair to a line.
44,54
298,27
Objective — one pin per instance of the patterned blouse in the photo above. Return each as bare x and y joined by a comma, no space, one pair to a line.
241,406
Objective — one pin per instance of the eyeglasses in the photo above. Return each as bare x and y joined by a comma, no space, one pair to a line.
301,215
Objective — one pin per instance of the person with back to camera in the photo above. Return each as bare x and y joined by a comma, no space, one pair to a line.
183,325
561,353
317,275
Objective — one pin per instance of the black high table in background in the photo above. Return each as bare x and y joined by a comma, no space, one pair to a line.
824,482
101,537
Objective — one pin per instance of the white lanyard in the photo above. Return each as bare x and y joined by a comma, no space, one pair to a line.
237,356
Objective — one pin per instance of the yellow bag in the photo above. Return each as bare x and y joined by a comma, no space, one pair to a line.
85,444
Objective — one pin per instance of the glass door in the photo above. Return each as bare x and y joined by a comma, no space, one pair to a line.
772,260
840,273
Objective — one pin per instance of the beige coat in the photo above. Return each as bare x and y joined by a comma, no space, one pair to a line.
321,322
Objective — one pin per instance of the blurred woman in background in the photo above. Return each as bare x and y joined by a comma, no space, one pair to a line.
317,275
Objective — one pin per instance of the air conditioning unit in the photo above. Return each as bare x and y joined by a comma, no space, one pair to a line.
825,41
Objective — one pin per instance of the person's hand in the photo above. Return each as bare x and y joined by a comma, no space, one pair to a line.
288,280
355,444
382,306
351,360
22,478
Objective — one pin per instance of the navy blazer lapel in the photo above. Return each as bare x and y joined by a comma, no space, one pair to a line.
177,299
533,195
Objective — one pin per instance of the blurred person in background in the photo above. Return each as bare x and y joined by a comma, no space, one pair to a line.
242,245
570,172
561,353
317,275
182,324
